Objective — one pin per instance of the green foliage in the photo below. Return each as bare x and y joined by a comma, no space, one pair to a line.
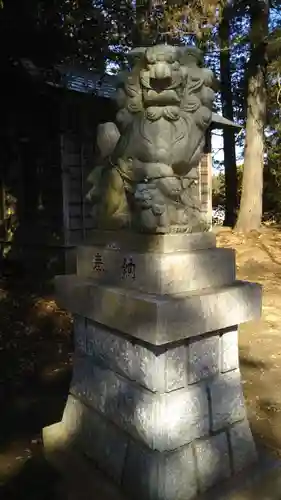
218,187
218,190
53,31
86,31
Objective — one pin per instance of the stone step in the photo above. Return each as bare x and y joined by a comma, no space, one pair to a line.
161,421
82,481
146,474
159,273
160,319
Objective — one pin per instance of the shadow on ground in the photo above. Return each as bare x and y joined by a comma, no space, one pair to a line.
25,472
35,368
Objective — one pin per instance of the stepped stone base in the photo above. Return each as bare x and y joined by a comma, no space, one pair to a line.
81,481
160,319
144,473
156,397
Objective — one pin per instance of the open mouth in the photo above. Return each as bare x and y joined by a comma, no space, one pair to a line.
158,85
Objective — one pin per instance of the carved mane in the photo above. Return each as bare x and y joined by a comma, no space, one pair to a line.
165,106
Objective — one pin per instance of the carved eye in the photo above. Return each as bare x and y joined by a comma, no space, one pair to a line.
176,65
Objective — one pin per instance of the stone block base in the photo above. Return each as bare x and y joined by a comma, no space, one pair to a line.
156,397
163,422
147,474
81,481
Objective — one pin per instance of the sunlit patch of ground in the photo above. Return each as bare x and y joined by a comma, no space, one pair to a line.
259,260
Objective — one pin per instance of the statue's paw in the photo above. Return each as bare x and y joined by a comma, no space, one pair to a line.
158,209
148,220
143,196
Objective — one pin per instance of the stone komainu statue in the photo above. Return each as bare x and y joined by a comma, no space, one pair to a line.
147,174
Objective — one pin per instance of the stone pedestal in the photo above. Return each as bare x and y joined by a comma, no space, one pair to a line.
156,399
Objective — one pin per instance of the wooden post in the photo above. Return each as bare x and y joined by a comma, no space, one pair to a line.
205,176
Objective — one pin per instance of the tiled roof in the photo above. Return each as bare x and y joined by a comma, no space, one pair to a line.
219,122
78,79
89,82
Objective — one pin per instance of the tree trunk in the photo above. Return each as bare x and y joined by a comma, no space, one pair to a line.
250,214
231,184
143,9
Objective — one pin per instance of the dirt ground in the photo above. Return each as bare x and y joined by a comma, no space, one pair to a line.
259,260
35,365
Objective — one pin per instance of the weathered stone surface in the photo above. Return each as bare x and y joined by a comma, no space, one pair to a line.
73,416
229,350
160,421
155,476
95,437
127,406
160,319
79,328
141,473
242,446
132,360
154,367
184,416
158,273
97,387
213,461
176,367
147,176
227,400
203,356
178,475
126,241
137,414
